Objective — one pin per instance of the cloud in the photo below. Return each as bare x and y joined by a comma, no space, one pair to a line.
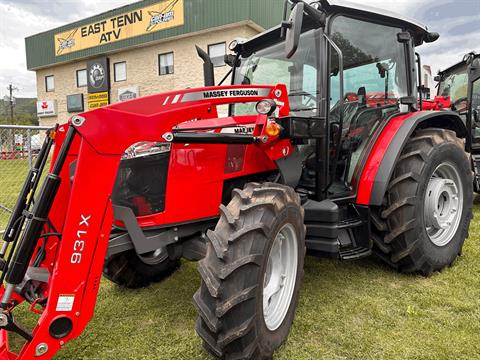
56,10
22,18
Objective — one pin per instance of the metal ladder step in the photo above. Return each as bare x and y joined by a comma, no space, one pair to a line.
355,253
476,170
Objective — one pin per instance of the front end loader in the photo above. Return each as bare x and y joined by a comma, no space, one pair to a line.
324,151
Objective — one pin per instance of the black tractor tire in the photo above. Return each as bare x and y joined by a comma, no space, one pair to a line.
128,270
230,299
399,231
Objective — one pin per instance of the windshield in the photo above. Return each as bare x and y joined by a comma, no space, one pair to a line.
454,85
269,66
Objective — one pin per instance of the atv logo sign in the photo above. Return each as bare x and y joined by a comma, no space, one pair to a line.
46,108
161,15
96,76
97,73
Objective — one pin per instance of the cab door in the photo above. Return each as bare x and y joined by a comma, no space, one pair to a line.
473,115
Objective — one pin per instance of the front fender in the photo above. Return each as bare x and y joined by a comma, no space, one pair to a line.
389,145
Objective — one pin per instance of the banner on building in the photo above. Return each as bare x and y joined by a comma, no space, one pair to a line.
128,93
97,100
160,16
46,108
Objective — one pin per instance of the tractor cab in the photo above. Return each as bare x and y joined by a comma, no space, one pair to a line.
472,111
460,83
353,67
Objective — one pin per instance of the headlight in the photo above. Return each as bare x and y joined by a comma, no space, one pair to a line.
266,107
146,148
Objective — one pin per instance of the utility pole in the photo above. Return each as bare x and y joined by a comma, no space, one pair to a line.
11,89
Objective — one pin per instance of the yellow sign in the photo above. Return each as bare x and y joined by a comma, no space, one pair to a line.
163,15
97,100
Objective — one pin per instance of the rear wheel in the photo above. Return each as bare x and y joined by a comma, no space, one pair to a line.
134,271
251,274
428,204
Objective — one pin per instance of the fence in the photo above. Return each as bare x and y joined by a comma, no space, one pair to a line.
19,147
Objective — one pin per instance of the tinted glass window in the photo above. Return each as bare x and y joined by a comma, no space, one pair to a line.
49,83
269,66
120,71
82,78
375,78
165,62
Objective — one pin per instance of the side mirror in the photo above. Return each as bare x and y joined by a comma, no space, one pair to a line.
231,60
437,78
294,29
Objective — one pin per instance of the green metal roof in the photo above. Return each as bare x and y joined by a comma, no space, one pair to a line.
199,15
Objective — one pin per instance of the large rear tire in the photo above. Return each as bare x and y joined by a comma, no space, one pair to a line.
428,205
252,272
129,270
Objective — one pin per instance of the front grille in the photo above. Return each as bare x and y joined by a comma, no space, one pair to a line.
141,184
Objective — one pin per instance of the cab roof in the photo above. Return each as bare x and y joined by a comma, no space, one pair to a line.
459,64
419,30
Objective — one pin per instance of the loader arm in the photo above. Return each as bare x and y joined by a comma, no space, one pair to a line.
71,218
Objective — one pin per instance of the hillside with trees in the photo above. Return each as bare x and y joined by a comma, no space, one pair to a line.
24,112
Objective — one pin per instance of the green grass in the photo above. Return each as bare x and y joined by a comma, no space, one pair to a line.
356,310
347,310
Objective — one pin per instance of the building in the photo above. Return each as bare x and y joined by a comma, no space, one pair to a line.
136,50
427,82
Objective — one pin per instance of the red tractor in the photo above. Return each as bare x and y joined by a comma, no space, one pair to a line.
458,89
296,167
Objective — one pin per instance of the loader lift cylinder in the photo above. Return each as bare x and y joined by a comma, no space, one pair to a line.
29,186
36,220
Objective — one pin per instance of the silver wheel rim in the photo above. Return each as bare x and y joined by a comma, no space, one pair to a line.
280,277
155,257
443,204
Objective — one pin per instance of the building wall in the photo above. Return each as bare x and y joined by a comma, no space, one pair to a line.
142,68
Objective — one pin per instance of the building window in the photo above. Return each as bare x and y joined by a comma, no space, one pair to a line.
217,53
120,71
49,83
165,63
82,78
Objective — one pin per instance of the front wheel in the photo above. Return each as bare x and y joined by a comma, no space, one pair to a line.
428,204
251,274
133,271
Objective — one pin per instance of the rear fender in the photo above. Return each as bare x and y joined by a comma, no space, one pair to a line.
389,145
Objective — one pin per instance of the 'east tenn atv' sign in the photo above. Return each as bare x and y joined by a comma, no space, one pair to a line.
160,16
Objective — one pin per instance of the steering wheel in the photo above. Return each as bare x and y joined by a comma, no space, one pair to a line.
311,98
458,102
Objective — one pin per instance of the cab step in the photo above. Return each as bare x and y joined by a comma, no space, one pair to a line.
355,253
476,170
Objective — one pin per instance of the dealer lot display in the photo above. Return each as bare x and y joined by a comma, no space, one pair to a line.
338,159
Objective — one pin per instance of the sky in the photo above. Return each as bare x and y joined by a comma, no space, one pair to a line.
457,21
